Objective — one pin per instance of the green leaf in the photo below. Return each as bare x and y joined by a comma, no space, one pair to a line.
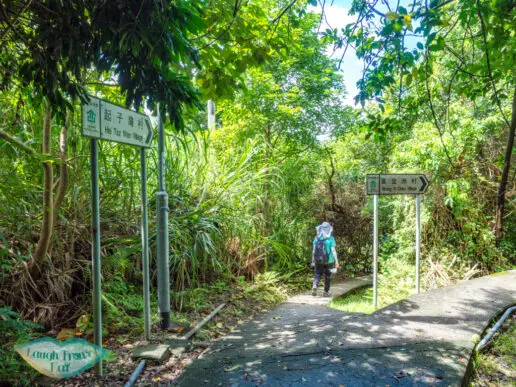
407,20
110,356
420,45
430,38
391,15
4,240
387,30
439,44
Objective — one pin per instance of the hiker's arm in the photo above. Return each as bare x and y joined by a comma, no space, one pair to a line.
334,253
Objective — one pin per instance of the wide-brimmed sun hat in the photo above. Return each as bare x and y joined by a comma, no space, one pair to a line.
324,230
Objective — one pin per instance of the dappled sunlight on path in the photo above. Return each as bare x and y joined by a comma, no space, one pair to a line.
426,338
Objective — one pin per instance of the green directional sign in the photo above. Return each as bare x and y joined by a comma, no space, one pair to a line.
396,184
107,121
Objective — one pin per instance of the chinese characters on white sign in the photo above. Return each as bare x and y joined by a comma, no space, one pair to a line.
400,184
107,121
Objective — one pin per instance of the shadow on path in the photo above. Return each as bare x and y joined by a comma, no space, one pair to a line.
425,339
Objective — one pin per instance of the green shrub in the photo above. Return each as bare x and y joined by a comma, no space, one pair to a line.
14,331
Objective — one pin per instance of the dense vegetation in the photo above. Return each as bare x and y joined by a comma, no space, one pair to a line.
286,152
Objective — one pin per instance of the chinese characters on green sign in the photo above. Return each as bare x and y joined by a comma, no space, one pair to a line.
396,184
107,121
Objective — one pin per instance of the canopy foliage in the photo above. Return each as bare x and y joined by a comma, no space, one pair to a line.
286,152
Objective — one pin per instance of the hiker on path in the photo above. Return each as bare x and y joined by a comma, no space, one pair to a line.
324,257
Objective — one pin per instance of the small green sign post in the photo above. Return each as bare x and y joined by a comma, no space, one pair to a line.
106,121
395,184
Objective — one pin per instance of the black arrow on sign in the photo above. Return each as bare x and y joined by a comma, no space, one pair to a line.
149,133
425,183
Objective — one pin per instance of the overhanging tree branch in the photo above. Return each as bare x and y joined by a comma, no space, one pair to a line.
500,197
48,203
18,143
283,12
451,51
13,24
434,115
486,52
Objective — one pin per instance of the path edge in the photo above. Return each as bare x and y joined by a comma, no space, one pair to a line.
468,374
346,293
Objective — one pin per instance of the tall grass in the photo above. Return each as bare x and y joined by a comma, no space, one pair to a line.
216,186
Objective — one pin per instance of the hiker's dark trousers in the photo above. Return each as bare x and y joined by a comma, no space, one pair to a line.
321,269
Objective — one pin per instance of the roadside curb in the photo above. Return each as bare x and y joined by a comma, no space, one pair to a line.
471,368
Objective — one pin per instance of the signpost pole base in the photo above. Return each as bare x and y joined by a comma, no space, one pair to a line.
163,260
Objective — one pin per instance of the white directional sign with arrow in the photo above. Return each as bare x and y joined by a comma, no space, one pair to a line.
107,121
396,184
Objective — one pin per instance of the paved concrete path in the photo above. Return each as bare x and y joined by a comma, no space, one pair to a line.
423,340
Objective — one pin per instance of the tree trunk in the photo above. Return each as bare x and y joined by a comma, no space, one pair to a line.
500,198
331,186
63,169
266,189
48,205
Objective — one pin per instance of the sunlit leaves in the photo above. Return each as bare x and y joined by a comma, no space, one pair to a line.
449,33
298,96
391,15
239,39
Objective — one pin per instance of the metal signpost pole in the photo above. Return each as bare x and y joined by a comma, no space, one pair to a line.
211,115
145,246
162,232
375,252
95,237
418,238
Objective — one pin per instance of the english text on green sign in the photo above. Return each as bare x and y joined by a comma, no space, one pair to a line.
107,121
396,184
